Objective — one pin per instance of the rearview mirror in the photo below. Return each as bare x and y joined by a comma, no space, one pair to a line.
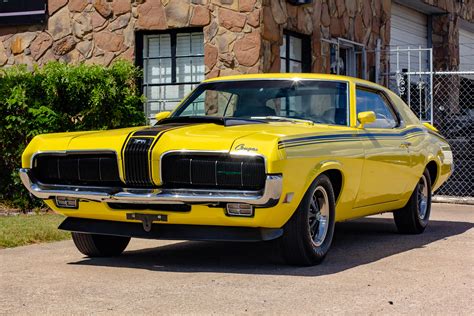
162,115
366,118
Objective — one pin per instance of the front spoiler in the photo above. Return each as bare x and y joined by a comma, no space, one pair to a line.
170,231
267,197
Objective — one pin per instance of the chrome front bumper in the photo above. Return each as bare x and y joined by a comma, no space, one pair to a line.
269,196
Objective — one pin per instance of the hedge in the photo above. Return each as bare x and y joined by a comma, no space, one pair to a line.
56,98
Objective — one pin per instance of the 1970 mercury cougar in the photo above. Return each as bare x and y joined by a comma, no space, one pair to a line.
246,158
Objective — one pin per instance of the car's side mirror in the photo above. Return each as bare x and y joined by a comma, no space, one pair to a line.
366,118
162,115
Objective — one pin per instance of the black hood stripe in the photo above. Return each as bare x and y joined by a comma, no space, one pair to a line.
170,127
155,130
151,133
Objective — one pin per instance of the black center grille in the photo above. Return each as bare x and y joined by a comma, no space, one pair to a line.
189,170
99,169
136,162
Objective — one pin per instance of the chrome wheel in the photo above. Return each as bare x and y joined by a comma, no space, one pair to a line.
422,194
318,216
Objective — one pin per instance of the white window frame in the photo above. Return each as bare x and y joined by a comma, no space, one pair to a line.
146,84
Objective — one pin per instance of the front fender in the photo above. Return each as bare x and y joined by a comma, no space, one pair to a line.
320,168
348,190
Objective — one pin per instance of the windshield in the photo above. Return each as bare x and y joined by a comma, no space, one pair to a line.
317,101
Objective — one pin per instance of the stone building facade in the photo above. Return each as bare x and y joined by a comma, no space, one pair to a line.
445,31
237,36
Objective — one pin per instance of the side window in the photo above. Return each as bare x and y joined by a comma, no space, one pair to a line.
376,102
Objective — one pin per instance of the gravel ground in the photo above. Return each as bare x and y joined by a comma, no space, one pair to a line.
370,270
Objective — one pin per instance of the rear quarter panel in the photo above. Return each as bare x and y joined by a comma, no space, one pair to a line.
430,146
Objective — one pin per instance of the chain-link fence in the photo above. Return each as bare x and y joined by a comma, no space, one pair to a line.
453,111
444,98
447,100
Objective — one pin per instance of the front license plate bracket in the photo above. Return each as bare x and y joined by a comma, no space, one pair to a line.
147,219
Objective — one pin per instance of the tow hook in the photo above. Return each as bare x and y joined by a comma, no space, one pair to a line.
147,219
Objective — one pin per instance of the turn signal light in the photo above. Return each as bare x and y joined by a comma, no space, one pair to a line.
238,209
66,202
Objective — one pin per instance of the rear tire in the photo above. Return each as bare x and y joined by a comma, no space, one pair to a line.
93,245
308,234
414,217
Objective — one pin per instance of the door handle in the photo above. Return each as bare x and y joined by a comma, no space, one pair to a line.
405,144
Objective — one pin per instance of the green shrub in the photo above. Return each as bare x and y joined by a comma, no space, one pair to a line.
58,98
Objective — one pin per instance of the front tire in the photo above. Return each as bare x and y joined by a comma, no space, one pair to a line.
93,245
309,232
414,217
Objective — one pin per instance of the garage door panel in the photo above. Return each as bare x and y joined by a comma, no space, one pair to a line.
466,50
408,27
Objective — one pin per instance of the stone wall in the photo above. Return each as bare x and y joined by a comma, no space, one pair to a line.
76,30
445,37
100,31
445,31
362,21
232,39
463,9
240,36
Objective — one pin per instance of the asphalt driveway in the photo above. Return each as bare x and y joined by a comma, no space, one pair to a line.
370,270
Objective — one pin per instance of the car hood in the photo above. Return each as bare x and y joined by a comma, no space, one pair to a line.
261,138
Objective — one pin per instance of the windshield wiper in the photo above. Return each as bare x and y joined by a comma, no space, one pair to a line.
282,118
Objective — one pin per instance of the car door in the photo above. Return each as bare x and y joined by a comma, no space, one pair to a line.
387,160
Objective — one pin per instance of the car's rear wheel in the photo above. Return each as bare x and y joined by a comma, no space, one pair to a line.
93,245
414,217
308,234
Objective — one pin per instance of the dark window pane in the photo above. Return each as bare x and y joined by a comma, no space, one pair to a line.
295,48
283,48
295,53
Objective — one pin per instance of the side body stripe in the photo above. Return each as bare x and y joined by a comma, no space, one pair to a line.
315,139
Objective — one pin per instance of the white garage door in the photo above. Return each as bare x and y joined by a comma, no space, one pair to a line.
408,27
466,50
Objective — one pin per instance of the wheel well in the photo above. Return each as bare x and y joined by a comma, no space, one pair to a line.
336,180
433,171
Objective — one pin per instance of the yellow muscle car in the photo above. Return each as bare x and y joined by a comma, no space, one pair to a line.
246,158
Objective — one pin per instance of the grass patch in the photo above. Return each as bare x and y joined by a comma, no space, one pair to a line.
23,230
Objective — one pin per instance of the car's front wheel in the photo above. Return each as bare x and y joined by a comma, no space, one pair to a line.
308,234
93,245
414,217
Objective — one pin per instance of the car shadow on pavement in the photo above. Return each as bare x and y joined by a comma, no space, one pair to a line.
355,243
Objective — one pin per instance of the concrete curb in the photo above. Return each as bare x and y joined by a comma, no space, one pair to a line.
453,199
